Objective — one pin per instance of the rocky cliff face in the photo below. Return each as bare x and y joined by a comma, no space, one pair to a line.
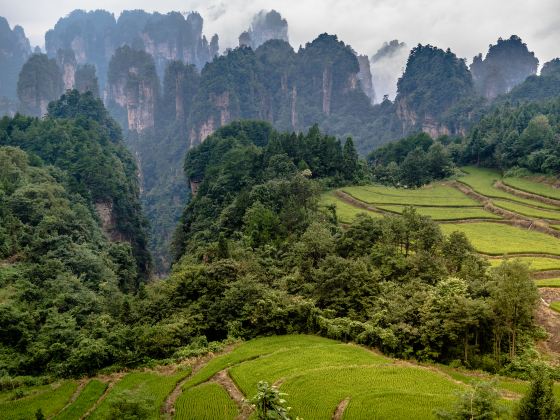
434,83
67,63
365,77
507,64
132,89
291,90
94,36
14,51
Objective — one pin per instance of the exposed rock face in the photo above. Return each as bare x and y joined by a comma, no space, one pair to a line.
434,82
326,90
387,65
273,83
132,89
366,80
264,27
14,51
94,37
67,63
507,64
107,218
88,34
40,82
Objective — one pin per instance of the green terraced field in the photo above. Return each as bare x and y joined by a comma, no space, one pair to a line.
49,398
528,210
555,306
290,362
208,401
344,211
433,195
535,263
151,387
253,349
530,186
445,213
89,395
482,181
548,282
499,239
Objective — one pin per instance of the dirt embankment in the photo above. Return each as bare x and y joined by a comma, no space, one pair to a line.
549,319
523,194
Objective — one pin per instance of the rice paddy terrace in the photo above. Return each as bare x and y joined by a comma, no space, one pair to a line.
502,217
323,378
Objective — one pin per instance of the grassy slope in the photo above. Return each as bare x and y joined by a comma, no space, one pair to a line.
208,401
151,387
445,213
344,211
528,210
534,187
49,398
481,180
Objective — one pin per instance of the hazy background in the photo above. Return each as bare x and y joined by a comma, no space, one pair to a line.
465,26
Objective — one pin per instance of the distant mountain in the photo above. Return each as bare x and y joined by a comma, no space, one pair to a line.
94,36
507,63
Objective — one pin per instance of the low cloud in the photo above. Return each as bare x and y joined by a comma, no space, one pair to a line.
467,27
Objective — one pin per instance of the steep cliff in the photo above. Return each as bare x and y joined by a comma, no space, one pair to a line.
365,77
40,81
318,84
94,37
132,89
88,34
507,63
14,51
66,61
264,27
434,82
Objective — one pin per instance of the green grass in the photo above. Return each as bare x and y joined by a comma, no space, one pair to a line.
376,392
289,362
527,210
555,282
482,181
151,387
208,401
499,239
49,398
253,349
89,395
535,263
432,195
534,187
555,306
445,213
345,212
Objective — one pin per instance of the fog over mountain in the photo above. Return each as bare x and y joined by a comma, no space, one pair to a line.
464,26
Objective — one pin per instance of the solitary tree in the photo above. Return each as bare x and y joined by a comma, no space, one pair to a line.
269,404
479,402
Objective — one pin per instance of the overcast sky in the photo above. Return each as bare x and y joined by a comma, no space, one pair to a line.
465,26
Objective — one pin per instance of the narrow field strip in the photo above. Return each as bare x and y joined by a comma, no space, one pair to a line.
152,387
432,196
526,210
444,213
84,401
533,187
535,263
208,401
499,239
553,282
